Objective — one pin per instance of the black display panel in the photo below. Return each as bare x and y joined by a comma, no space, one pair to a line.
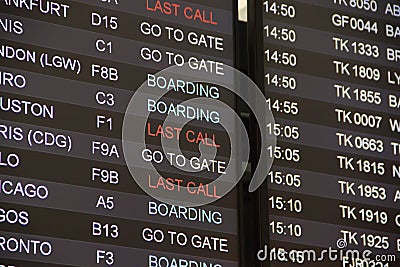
331,77
68,70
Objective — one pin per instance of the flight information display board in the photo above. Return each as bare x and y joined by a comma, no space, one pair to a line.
331,78
68,70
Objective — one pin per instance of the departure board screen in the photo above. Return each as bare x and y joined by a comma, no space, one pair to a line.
68,71
331,78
